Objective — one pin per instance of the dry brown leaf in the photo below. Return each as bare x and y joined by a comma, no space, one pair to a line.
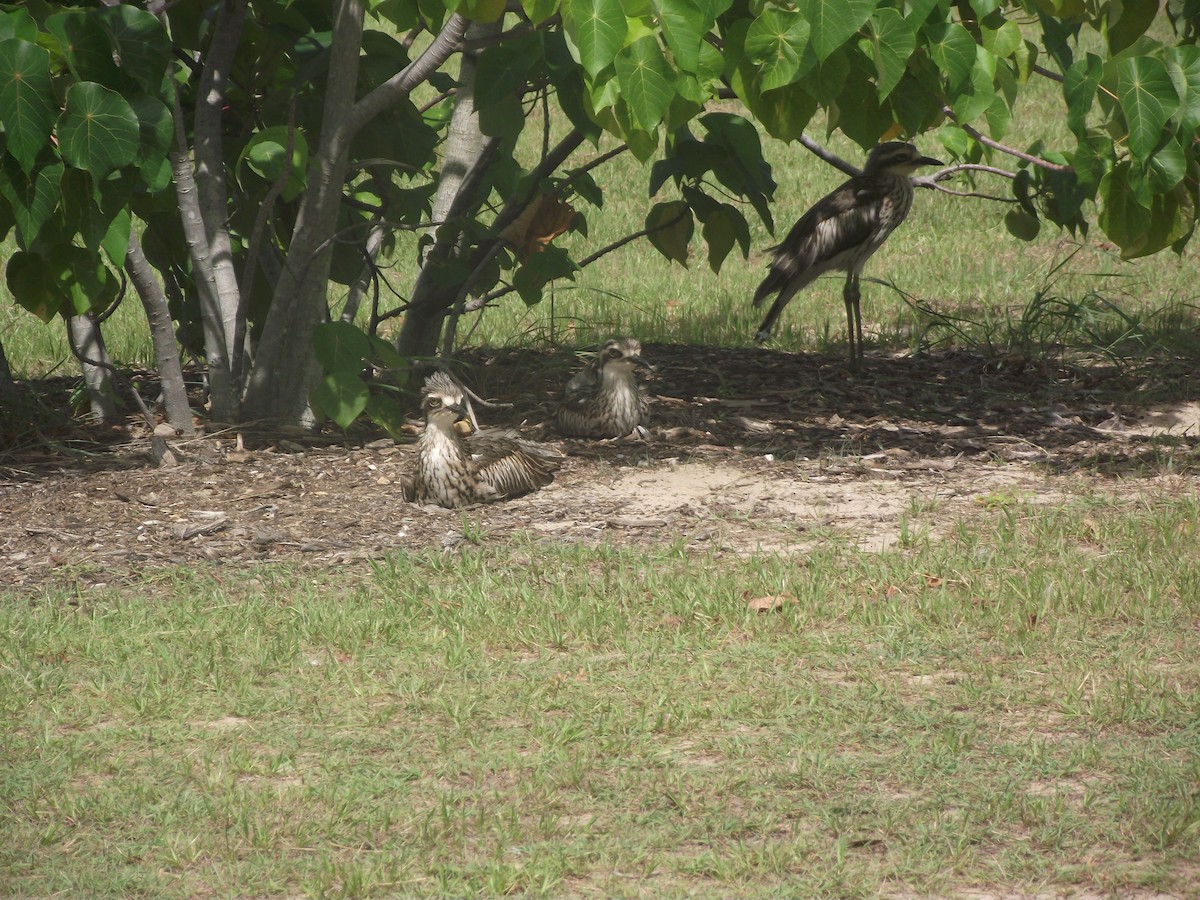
769,602
540,223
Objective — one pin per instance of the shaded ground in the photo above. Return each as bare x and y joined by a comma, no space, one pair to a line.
749,449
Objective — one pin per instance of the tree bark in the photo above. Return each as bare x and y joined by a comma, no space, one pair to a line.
464,151
8,387
212,190
87,343
359,288
162,332
285,368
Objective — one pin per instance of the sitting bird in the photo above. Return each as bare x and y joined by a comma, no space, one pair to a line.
603,400
483,467
841,231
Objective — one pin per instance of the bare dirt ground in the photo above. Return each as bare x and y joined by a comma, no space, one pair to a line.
749,450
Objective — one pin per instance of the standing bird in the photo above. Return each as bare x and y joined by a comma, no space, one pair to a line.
483,467
841,232
603,400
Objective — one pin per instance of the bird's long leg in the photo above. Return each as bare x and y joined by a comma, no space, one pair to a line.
851,293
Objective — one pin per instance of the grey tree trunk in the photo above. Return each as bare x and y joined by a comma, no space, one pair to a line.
88,345
162,332
464,151
284,367
212,191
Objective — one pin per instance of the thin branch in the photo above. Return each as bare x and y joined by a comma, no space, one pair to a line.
1003,148
1047,73
483,301
514,32
828,155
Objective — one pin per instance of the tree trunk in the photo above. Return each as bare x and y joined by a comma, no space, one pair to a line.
87,344
285,367
212,191
8,387
221,392
162,331
359,289
464,151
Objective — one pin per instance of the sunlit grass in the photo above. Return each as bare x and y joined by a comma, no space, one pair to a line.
1013,707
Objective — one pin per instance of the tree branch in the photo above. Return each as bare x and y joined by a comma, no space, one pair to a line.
1003,148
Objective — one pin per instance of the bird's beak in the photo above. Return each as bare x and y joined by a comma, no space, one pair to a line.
458,409
929,161
641,362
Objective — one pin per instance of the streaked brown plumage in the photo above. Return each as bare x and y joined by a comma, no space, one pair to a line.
603,400
483,467
841,231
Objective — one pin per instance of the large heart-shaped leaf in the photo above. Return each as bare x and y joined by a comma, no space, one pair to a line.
892,43
834,22
646,80
143,49
340,347
684,24
341,396
1148,99
26,100
98,130
597,28
952,49
670,227
776,41
33,199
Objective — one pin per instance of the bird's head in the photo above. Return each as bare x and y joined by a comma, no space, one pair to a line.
621,355
897,158
442,401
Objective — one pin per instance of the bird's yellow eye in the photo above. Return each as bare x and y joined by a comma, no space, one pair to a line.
434,402
614,353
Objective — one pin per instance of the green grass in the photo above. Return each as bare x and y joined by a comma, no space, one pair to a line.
1013,708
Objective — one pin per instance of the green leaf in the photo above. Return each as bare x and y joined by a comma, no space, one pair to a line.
88,48
1133,20
1079,90
952,49
539,270
892,43
31,284
538,11
834,23
1122,218
478,10
776,41
647,82
116,240
89,208
670,227
266,154
387,414
18,24
1148,100
1183,66
1167,166
597,28
33,200
722,228
1021,224
340,346
98,130
1003,41
918,11
143,49
980,93
684,24
156,132
341,395
27,106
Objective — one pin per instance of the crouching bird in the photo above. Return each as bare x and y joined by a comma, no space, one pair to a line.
489,465
604,400
841,231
